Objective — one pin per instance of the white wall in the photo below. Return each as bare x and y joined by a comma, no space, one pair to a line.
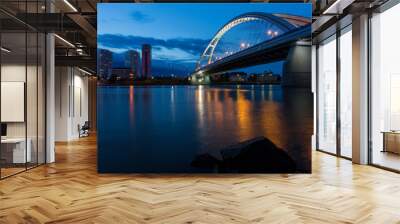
71,102
14,72
80,105
61,103
13,101
17,72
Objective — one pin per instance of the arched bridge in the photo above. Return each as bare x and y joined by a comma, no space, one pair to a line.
259,38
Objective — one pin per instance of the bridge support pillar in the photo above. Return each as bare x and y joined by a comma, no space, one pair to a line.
297,68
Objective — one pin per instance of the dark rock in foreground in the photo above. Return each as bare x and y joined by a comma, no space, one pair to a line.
205,161
257,155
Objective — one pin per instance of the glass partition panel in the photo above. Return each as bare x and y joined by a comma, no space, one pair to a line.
22,88
31,98
327,95
41,98
346,92
14,153
385,89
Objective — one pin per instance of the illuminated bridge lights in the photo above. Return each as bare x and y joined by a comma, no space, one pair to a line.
272,33
244,45
265,19
258,27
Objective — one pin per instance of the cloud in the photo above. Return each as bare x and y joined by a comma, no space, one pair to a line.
174,54
141,17
118,41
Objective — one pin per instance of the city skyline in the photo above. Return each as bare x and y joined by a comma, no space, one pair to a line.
135,68
134,64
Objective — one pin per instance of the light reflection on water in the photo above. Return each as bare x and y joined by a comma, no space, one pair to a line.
162,128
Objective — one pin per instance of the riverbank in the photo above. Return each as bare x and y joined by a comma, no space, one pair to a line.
177,82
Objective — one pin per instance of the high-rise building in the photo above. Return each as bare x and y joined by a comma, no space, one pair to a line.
104,64
132,59
121,73
146,60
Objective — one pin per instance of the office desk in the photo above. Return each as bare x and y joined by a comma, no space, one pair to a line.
15,148
391,141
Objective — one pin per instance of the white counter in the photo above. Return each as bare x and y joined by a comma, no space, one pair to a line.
19,153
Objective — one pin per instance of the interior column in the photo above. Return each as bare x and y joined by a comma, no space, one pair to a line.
360,90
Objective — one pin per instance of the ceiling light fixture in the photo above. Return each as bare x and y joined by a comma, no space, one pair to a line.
70,5
84,71
334,5
337,7
64,40
5,50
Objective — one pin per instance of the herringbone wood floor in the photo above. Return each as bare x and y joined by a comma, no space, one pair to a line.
71,191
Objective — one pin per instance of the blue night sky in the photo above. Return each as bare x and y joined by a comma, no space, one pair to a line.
178,32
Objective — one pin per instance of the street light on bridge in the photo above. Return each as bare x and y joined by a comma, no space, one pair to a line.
272,33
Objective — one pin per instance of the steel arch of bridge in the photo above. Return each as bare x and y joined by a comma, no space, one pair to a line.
282,21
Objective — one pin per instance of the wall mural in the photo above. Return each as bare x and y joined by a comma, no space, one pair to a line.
204,88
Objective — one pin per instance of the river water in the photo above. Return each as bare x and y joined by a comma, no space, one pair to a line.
162,128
